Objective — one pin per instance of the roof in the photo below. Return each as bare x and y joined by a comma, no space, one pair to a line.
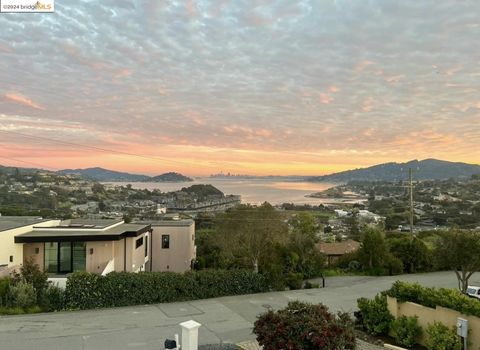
89,223
84,233
169,223
339,248
12,222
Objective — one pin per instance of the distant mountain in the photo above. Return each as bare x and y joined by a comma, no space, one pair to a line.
428,169
105,175
170,177
23,171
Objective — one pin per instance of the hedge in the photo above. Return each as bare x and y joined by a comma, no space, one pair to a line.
431,297
88,291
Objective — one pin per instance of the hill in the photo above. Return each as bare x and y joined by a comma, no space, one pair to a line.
170,177
105,175
23,171
102,175
427,169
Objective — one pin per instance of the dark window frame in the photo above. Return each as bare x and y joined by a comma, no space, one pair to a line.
165,241
139,243
146,246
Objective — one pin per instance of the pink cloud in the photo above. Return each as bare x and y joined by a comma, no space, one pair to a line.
367,105
23,100
333,89
123,73
325,99
363,64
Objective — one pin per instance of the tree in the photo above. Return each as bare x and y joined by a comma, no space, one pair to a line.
373,249
248,232
412,251
302,244
459,250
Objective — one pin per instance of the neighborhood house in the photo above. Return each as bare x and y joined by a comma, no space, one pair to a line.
99,246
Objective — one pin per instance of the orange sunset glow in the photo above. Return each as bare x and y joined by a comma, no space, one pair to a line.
270,88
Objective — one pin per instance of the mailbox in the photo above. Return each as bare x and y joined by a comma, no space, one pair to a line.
170,344
462,327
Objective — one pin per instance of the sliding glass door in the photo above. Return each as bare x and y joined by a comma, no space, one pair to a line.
51,257
65,257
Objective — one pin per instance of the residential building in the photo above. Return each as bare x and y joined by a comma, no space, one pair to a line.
173,244
335,250
11,254
99,246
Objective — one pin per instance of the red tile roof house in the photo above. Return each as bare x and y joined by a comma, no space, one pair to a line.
335,250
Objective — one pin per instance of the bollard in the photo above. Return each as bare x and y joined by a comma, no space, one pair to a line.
190,335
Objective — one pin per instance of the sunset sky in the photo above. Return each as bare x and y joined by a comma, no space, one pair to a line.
251,87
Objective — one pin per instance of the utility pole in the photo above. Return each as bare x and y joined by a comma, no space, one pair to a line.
410,185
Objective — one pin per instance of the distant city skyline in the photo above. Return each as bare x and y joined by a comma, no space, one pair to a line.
261,88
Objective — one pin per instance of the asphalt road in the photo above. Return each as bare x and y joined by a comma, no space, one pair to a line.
227,319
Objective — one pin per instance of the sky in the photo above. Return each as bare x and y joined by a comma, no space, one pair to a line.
250,87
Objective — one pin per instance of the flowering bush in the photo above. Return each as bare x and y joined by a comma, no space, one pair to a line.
303,326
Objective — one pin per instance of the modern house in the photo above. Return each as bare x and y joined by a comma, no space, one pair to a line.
173,244
99,246
11,254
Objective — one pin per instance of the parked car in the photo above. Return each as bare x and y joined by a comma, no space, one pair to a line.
474,292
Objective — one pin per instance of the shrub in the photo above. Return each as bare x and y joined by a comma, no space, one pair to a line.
4,290
406,330
310,285
374,314
294,280
394,265
53,299
303,326
22,295
431,297
87,291
30,273
440,337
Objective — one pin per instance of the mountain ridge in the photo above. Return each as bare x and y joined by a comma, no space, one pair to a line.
106,175
426,169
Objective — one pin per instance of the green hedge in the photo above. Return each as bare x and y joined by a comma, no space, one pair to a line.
431,297
88,291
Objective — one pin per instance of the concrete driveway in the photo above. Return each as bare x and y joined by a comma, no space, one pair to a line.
227,319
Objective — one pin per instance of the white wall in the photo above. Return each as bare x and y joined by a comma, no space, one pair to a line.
182,250
9,248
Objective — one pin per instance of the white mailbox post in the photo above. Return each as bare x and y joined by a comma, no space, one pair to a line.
462,330
190,335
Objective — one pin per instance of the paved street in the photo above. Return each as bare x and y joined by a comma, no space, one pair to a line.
227,319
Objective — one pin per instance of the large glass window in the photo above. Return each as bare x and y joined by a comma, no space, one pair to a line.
79,256
65,257
51,257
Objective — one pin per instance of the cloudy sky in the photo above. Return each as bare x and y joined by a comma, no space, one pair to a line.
258,87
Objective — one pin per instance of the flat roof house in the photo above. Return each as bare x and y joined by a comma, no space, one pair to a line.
11,254
173,245
98,246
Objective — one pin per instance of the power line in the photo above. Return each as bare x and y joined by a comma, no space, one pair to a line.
99,148
28,162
